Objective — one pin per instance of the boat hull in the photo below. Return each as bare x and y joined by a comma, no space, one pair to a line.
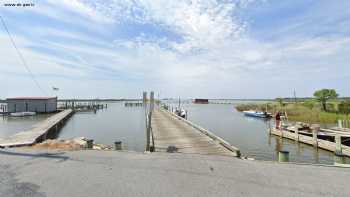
257,114
21,114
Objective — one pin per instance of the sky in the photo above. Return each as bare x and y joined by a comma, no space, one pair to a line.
178,48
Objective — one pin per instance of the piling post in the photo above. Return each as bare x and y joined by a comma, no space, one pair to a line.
283,156
118,145
340,124
152,101
296,133
148,135
90,143
315,129
338,147
144,98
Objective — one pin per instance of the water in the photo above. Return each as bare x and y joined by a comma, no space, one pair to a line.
12,125
127,124
115,123
250,135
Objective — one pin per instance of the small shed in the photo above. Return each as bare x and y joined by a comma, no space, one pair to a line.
32,104
201,101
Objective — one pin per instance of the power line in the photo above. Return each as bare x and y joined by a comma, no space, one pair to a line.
24,63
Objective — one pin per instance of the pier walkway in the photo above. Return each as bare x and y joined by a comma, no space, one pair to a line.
38,132
171,130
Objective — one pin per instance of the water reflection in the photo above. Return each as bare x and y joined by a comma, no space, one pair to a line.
127,124
12,125
115,123
251,134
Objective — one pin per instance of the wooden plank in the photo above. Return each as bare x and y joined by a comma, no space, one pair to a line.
29,137
324,144
170,130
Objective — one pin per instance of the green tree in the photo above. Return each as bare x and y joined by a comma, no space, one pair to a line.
324,95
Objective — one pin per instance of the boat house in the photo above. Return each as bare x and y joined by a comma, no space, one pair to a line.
32,104
201,101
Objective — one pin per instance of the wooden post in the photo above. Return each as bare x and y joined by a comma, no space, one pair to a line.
118,145
296,132
90,143
148,134
152,101
283,156
338,148
315,129
144,99
340,125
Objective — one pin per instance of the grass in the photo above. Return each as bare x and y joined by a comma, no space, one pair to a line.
308,112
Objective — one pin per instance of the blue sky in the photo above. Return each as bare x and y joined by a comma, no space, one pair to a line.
212,48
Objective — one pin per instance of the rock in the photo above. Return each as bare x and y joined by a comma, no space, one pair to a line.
172,149
97,147
81,141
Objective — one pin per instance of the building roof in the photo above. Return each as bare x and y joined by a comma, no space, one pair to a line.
31,98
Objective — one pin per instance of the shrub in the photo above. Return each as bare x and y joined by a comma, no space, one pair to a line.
344,107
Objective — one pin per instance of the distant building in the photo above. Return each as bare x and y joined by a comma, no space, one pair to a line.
201,101
32,104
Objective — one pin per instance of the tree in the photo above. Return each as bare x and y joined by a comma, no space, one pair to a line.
324,95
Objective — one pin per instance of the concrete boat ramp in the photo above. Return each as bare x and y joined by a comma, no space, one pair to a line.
171,131
114,173
39,132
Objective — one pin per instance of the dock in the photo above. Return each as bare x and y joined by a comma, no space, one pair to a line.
315,139
39,132
170,131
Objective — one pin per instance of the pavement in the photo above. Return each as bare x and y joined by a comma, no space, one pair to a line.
39,173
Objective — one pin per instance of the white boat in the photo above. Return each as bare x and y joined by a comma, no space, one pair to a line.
21,114
257,114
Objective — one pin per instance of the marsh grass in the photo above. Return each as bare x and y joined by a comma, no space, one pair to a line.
309,112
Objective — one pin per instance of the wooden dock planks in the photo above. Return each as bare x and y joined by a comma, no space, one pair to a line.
324,144
169,130
29,137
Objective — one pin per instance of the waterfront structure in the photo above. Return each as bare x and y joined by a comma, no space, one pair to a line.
32,104
201,101
171,133
46,129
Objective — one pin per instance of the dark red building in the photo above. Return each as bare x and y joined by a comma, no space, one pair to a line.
201,101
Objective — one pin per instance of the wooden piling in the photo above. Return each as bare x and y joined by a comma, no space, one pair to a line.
90,143
338,146
296,132
117,145
315,129
283,156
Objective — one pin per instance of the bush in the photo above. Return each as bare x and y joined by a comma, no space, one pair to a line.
310,103
344,107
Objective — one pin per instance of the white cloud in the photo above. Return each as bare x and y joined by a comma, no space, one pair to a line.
214,52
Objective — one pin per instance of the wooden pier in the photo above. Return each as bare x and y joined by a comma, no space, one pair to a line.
170,132
314,139
39,132
133,104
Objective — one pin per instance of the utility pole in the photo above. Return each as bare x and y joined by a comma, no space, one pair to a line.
295,96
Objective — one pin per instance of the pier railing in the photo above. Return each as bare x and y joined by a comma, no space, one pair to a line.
207,133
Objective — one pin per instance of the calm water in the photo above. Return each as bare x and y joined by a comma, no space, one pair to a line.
12,125
128,125
250,134
116,123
